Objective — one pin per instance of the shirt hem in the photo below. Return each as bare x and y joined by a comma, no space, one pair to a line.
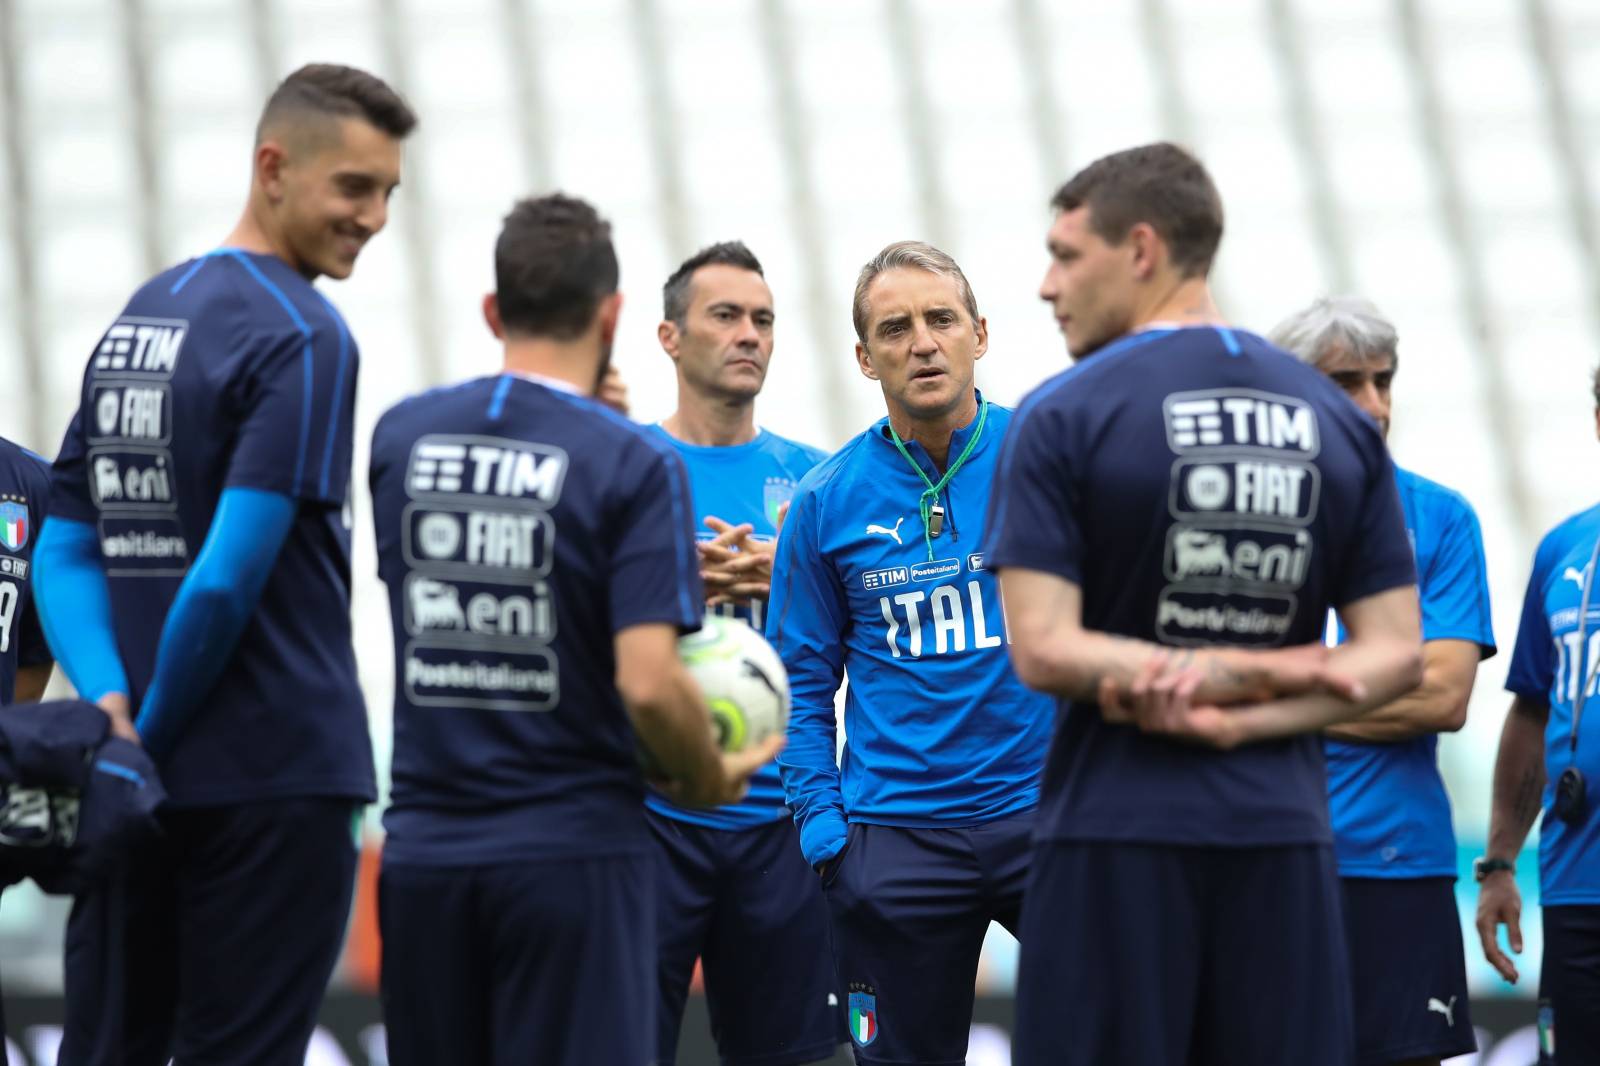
365,791
401,854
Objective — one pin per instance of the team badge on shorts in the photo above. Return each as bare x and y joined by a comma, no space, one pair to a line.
863,1017
774,494
13,526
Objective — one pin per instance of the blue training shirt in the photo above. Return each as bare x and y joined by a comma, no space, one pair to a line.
939,731
1548,665
1390,812
743,483
230,371
519,528
24,501
1202,488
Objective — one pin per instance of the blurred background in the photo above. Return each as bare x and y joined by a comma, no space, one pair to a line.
1437,156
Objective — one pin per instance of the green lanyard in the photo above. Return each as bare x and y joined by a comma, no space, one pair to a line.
930,495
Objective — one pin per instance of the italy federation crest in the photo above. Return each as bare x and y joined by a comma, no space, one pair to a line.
863,1018
13,526
774,494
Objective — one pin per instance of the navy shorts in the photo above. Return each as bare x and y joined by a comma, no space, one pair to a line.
542,962
745,903
243,909
1569,984
1164,955
910,908
1408,969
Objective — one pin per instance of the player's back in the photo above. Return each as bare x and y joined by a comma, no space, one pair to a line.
515,527
24,497
1225,494
230,371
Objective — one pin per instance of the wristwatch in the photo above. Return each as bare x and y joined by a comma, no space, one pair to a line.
1483,866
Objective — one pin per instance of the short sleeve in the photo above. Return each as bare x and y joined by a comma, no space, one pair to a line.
1455,588
69,476
1533,658
1035,518
654,568
296,411
1378,554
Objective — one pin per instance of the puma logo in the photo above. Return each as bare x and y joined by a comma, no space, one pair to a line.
1446,1009
1574,575
873,527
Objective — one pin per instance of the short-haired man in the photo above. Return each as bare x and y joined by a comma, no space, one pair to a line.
195,570
539,554
1545,764
1392,834
732,887
921,833
1172,516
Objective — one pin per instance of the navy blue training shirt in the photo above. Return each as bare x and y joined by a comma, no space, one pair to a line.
24,498
519,528
1202,488
230,371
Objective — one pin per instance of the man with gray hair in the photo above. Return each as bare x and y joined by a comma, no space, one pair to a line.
921,834
1391,818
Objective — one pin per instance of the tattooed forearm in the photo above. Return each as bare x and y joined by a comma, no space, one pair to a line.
1527,799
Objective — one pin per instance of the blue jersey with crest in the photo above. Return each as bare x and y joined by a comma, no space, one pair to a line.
1202,488
939,731
1390,813
519,528
230,371
743,483
1555,658
24,501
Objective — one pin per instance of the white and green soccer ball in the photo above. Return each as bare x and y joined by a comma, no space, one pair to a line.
745,685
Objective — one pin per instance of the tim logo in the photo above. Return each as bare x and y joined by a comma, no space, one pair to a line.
487,466
1239,418
142,345
886,578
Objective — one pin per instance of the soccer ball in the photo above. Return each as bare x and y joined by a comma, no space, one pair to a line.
745,685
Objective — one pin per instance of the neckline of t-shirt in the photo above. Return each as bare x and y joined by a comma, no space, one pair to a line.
543,379
718,451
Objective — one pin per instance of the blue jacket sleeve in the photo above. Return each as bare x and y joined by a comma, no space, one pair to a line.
212,607
807,620
74,604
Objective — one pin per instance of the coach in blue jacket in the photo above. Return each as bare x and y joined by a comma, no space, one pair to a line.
921,834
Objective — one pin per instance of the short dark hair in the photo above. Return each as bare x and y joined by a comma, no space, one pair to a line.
675,293
1159,184
553,264
1594,386
333,91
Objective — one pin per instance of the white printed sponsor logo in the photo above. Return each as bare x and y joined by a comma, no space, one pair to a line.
483,609
935,570
129,479
975,562
1247,488
1438,1006
1239,418
145,545
487,466
131,412
143,345
1254,556
437,675
13,567
458,537
885,578
1185,616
